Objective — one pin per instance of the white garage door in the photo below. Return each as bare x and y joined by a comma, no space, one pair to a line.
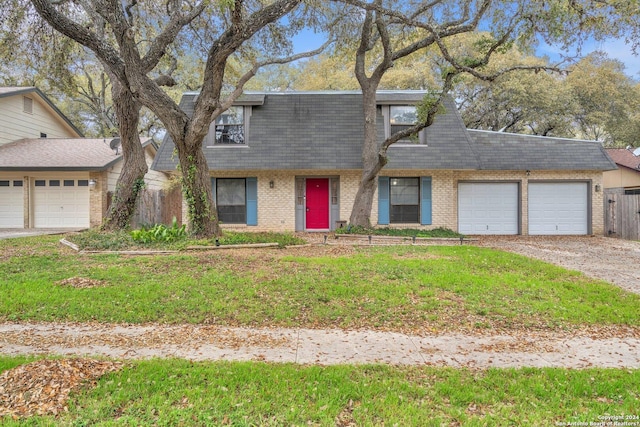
558,208
488,208
11,203
61,203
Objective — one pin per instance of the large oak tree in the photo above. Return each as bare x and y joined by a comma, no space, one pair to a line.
390,31
112,30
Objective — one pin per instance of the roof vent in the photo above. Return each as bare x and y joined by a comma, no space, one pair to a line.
636,152
115,145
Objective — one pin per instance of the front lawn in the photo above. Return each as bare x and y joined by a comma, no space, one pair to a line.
178,392
403,288
400,288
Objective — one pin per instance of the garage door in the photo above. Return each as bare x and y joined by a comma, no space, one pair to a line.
61,203
11,203
558,208
488,208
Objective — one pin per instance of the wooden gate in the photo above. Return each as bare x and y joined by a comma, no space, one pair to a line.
622,216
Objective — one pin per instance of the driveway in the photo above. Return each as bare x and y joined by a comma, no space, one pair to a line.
12,233
613,260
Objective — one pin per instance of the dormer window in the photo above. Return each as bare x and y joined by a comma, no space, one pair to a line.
229,127
402,117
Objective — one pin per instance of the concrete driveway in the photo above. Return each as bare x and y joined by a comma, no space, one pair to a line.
12,233
612,260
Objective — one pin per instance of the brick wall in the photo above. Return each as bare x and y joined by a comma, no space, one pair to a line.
276,206
98,198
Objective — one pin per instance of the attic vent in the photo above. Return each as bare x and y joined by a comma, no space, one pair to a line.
27,105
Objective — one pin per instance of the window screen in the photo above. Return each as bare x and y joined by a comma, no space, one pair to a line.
404,198
231,199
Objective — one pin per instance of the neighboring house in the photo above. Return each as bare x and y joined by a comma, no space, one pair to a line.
626,179
292,162
51,177
25,112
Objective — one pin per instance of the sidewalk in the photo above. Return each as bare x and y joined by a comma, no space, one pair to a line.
323,347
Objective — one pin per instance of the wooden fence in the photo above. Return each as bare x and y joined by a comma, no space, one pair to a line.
622,216
157,207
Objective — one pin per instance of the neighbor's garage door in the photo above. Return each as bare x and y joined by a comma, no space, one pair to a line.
11,203
558,208
61,203
488,208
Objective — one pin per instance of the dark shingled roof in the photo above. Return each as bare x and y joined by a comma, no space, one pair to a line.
323,131
508,151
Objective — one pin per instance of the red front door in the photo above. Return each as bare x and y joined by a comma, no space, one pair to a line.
317,204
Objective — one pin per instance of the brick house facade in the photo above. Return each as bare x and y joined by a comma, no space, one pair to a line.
299,153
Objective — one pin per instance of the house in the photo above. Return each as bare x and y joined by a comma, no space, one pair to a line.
50,176
292,161
625,179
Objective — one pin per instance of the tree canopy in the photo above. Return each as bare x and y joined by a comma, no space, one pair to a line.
479,51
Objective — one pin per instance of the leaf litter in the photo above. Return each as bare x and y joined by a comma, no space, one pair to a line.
43,387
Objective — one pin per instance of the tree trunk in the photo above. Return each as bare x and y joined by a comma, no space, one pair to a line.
372,162
196,188
131,179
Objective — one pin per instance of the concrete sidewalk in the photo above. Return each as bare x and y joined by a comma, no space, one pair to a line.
323,347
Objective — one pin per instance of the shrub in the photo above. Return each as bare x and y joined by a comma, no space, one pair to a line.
160,233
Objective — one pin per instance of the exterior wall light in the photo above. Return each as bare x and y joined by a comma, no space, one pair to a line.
92,182
598,188
528,172
271,184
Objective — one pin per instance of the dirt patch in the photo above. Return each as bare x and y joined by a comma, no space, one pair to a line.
82,283
612,260
43,387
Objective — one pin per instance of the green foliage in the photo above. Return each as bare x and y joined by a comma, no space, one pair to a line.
429,104
402,232
198,208
160,233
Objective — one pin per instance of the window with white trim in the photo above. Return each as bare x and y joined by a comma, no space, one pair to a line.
229,126
402,117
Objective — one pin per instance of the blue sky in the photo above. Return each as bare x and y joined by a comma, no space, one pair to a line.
615,49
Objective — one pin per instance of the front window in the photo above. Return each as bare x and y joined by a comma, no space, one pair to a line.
404,198
402,117
230,126
231,200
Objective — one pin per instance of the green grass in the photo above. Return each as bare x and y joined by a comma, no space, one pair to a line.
400,232
392,288
399,288
177,392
